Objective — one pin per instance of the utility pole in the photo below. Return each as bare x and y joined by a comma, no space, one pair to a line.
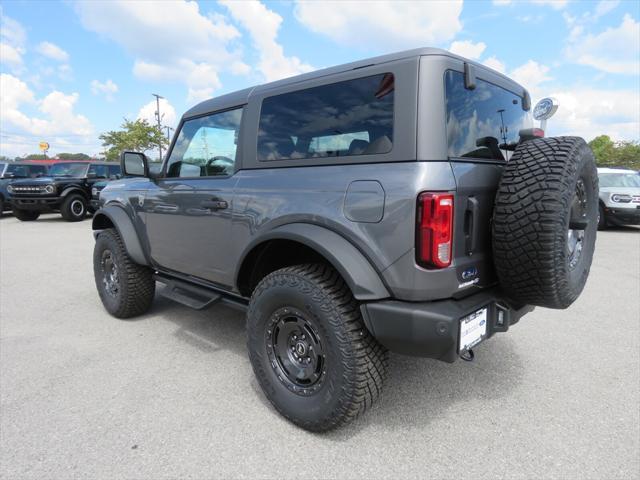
169,132
158,118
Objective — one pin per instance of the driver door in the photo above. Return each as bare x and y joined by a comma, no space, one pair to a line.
189,210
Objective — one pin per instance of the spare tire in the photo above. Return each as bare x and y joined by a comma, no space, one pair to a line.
545,221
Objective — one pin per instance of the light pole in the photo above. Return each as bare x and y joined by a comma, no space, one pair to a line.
158,118
169,132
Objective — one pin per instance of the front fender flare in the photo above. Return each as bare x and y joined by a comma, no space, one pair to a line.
119,218
363,280
73,189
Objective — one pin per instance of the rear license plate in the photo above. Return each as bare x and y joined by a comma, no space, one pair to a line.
473,329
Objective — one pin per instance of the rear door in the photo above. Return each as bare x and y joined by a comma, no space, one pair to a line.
189,210
483,127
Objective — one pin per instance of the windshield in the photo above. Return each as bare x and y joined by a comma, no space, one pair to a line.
620,180
68,170
17,171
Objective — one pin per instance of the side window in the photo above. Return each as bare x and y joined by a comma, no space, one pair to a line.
99,171
354,117
484,122
37,170
114,170
206,146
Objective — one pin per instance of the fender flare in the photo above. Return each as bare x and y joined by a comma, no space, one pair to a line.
119,218
73,189
356,270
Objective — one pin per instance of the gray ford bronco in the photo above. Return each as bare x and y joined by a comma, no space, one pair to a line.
401,203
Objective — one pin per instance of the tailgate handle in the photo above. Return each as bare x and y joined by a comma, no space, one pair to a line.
471,225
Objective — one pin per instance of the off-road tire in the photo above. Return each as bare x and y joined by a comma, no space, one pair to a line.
356,363
602,220
25,215
136,286
531,219
69,206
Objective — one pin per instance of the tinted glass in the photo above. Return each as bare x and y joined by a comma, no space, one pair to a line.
206,146
348,118
38,170
68,170
619,180
114,170
99,171
17,171
484,122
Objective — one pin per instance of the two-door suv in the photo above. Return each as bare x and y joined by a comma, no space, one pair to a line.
400,203
65,189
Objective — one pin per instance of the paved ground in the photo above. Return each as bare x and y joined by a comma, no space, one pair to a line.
172,395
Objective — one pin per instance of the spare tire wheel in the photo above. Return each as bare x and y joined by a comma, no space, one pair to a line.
545,221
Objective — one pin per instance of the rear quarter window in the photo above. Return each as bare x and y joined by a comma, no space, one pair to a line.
353,117
484,122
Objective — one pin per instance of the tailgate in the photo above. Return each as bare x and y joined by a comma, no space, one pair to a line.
477,183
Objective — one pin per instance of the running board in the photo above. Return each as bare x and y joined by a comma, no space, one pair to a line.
188,294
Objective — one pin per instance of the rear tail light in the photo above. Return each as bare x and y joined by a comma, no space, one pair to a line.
434,230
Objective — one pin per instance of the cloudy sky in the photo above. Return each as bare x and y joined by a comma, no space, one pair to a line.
74,69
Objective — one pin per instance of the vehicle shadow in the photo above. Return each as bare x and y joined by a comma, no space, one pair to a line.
621,229
416,391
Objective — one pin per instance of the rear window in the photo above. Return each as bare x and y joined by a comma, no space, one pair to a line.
354,117
484,122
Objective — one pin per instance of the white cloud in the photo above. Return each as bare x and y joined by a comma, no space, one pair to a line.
556,4
107,88
605,6
530,74
167,112
493,62
615,50
386,25
263,25
12,43
501,3
468,49
171,41
53,51
57,114
589,112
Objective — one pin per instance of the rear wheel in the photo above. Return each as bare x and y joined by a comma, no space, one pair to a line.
125,288
545,221
25,215
74,208
314,358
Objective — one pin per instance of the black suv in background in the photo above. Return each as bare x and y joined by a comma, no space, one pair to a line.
66,189
12,171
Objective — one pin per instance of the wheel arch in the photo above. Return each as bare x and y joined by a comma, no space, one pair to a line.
113,216
306,243
72,190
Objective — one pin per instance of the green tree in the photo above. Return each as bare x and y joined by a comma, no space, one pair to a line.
615,154
136,135
73,156
603,148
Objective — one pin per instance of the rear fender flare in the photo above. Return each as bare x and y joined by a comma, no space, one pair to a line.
121,221
356,270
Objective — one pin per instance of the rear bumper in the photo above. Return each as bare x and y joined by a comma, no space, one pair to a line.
37,204
432,329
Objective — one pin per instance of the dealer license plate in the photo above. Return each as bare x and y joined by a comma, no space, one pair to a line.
473,329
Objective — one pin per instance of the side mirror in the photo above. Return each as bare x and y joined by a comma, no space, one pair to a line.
134,164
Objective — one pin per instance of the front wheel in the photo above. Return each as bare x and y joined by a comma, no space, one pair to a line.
25,215
125,288
313,356
74,208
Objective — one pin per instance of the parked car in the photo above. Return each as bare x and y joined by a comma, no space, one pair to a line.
619,197
354,210
12,171
65,189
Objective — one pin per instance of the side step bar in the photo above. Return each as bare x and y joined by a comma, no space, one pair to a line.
187,294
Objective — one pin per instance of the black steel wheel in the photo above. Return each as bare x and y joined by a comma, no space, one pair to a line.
74,208
313,356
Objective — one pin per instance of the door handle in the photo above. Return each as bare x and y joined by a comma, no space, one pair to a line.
471,225
215,204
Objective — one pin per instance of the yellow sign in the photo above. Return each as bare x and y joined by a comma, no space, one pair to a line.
44,146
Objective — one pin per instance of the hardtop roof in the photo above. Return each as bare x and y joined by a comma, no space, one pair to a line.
241,97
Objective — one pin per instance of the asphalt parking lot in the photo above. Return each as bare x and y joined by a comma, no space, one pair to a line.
172,394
